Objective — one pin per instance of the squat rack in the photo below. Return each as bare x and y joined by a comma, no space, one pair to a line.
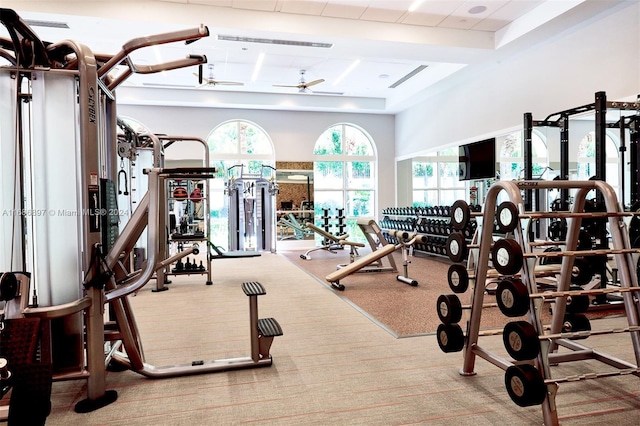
560,119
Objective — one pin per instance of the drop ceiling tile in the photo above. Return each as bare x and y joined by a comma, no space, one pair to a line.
432,13
386,10
216,3
349,9
303,7
265,5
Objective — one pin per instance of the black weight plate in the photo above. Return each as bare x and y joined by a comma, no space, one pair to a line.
456,247
449,308
506,255
521,340
525,385
507,216
512,297
460,214
458,278
450,337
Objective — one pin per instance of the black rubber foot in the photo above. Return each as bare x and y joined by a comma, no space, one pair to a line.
88,405
209,282
338,286
155,290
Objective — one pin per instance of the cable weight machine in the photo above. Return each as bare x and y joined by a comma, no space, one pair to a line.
252,209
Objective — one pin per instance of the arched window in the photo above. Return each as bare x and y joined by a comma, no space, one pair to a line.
587,159
512,161
235,147
345,174
512,156
586,162
435,179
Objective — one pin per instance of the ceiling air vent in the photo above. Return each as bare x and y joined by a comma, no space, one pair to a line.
48,24
274,41
319,92
408,76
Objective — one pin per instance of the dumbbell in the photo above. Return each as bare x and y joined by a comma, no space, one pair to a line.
450,308
506,254
451,337
512,297
506,215
522,341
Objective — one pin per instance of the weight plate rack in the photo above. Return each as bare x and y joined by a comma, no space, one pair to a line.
517,261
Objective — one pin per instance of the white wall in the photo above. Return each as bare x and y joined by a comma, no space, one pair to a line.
558,74
293,134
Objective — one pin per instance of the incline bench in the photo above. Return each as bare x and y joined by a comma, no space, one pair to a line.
333,243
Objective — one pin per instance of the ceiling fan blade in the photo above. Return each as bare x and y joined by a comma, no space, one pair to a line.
230,83
286,85
313,83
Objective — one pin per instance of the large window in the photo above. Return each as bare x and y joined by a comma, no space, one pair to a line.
512,157
344,175
435,179
586,167
236,148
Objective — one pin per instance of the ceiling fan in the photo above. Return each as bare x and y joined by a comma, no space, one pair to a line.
302,86
211,80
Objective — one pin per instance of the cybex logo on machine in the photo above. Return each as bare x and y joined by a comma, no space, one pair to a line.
92,105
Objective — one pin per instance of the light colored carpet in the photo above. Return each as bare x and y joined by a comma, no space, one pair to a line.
332,366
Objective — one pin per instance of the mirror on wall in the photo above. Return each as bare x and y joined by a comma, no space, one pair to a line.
294,201
295,184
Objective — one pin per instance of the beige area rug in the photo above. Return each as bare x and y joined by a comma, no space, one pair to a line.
402,309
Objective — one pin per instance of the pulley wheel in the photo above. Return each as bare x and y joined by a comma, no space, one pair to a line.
8,286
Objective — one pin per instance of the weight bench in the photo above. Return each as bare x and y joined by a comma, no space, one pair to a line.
237,254
299,229
332,243
406,240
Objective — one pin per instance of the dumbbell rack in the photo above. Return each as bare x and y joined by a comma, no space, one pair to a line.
530,382
432,222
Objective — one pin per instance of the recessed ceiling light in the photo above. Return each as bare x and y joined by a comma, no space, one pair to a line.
477,9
